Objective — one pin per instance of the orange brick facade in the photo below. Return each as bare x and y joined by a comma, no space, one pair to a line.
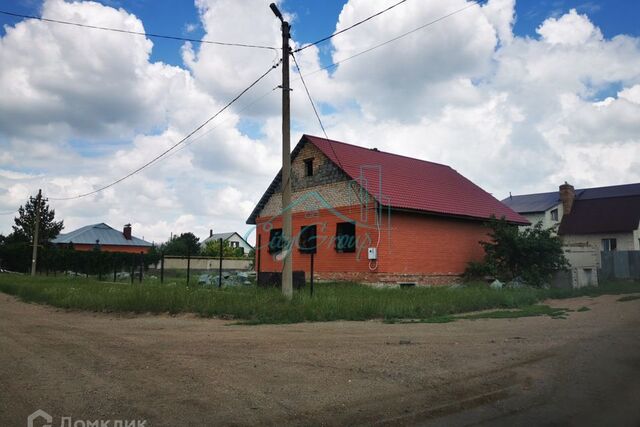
413,247
113,248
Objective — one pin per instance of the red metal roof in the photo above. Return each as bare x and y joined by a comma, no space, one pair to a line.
407,183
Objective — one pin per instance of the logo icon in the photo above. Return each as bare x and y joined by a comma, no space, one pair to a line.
39,414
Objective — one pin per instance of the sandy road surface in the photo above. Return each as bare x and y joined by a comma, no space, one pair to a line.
184,370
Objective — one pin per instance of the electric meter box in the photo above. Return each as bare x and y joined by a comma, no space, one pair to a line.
372,253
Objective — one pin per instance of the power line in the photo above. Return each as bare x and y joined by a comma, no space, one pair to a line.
137,33
202,135
164,153
324,39
254,83
334,64
329,141
295,61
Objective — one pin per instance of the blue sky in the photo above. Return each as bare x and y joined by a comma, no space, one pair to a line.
317,18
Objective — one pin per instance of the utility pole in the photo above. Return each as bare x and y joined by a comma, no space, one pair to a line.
287,273
34,254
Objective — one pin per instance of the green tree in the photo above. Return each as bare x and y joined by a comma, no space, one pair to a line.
182,245
533,254
212,248
26,220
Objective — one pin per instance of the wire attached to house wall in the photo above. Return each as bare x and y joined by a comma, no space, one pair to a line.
377,220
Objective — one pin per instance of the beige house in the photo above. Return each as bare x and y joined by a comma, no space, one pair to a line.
602,218
590,221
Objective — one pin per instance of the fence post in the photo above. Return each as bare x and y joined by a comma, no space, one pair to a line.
162,267
133,266
188,264
311,284
141,266
114,268
220,266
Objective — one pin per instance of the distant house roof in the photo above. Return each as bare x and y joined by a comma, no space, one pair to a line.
611,209
405,183
540,202
532,203
611,191
224,236
88,235
604,215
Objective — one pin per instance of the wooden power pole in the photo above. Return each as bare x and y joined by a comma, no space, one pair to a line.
287,272
36,228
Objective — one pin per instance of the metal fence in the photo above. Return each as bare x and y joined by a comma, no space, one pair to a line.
119,267
620,265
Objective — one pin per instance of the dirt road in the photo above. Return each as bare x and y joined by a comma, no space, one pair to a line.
184,370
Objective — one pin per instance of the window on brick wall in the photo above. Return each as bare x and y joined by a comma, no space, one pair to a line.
609,245
345,237
276,242
308,241
308,167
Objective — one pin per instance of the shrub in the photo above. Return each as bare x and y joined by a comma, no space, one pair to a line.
533,254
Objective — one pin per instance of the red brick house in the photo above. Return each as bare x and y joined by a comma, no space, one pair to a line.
423,220
106,238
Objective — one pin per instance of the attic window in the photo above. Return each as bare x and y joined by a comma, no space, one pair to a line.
554,215
308,167
345,237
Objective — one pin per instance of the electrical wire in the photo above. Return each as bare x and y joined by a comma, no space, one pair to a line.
137,33
335,64
315,110
211,129
173,147
329,141
324,39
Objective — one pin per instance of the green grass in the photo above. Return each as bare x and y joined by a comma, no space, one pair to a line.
332,301
629,298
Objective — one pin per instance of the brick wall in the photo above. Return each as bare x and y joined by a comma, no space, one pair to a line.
327,187
112,248
324,170
415,248
412,247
